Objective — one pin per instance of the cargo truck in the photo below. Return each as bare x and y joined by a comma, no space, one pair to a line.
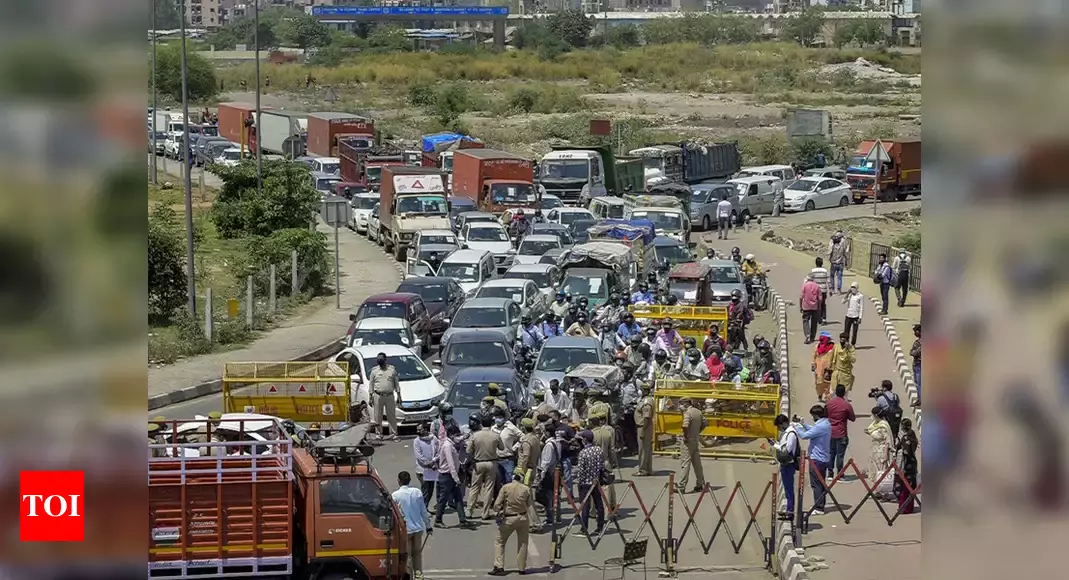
495,180
269,500
578,174
439,149
283,133
236,122
326,130
174,122
410,199
899,174
689,163
364,166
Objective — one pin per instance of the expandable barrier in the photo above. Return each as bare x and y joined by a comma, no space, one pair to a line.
304,392
692,321
732,415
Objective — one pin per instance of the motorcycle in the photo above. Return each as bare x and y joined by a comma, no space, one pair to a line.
759,295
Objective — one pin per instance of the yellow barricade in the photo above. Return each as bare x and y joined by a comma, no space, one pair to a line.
733,416
693,321
305,392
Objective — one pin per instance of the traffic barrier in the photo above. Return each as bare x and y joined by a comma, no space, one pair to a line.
304,392
692,321
733,416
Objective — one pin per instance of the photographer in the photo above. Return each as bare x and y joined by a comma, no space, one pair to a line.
887,400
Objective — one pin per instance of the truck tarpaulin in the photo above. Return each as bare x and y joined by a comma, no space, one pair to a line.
445,141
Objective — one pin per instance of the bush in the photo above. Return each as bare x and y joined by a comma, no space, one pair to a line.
167,291
201,82
543,99
288,200
910,242
421,94
313,261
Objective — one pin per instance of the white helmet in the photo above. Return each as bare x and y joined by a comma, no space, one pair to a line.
749,257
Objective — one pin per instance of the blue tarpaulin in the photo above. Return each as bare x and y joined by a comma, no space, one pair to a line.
625,230
443,141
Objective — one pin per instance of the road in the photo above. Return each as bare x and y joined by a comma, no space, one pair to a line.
171,170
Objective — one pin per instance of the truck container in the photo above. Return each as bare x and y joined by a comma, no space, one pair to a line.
283,133
326,130
495,180
236,124
410,199
689,163
364,166
899,172
267,502
578,174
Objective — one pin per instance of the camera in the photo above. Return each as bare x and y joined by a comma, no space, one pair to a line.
875,392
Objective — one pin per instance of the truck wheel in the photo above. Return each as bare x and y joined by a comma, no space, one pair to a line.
901,197
398,252
706,223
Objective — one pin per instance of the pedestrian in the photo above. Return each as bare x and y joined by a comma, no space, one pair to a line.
883,275
823,357
788,454
819,437
689,446
558,399
842,365
888,401
901,267
549,461
644,424
510,436
588,475
908,443
409,501
222,85
512,507
838,252
723,218
809,304
605,439
484,448
244,85
915,352
425,448
855,309
267,82
384,384
820,276
450,488
880,457
840,412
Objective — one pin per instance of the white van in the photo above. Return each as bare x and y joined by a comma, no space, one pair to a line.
757,195
784,172
470,268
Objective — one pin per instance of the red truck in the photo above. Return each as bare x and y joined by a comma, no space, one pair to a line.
438,149
236,123
364,166
900,174
494,180
327,130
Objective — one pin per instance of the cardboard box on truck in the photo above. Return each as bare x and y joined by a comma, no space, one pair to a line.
235,123
410,199
495,180
283,133
899,171
325,130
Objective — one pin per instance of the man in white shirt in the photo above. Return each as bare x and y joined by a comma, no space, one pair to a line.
787,453
723,218
901,266
822,278
510,441
855,308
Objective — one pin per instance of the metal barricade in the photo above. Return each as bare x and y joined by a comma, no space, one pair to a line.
739,420
692,321
304,392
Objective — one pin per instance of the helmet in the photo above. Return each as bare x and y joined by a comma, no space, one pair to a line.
573,308
583,301
525,319
689,342
661,355
445,408
749,257
643,286
672,300
667,323
519,212
624,301
581,316
693,353
628,317
636,339
550,317
736,294
711,253
538,211
735,251
606,326
644,350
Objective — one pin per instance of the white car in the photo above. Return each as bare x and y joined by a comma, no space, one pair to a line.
229,157
809,193
545,276
489,236
372,231
173,144
470,268
523,292
396,331
362,205
534,246
566,215
436,237
328,165
420,388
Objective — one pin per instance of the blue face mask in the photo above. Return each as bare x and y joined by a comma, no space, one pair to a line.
499,422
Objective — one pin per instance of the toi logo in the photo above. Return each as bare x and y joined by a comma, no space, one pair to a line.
52,506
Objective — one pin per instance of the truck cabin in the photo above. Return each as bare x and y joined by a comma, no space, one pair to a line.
568,174
373,164
358,141
607,207
412,157
689,283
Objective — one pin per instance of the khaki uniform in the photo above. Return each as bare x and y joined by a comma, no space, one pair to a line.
605,438
543,409
644,423
383,383
601,409
501,404
201,436
483,447
157,451
527,464
512,506
689,447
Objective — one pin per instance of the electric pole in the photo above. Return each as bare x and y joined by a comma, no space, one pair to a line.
259,160
155,179
191,287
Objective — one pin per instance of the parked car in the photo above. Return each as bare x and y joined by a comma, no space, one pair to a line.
474,348
756,195
407,305
419,385
545,276
561,354
467,217
810,193
566,215
440,237
532,301
785,173
472,384
442,297
229,157
498,314
385,331
372,231
549,201
328,165
534,246
363,204
704,199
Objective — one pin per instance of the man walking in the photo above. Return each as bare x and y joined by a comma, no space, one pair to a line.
605,439
901,268
644,424
892,406
819,436
855,308
417,521
425,448
838,251
689,446
383,382
723,218
820,276
450,488
840,412
591,464
485,448
882,276
809,304
512,505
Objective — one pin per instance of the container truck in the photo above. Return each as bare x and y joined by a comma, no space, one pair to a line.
269,501
364,166
326,130
410,199
899,174
174,122
438,151
689,163
283,133
578,174
236,121
495,180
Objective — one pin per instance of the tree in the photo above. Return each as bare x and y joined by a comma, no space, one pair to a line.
805,27
288,200
304,31
166,270
622,36
243,31
571,26
845,34
313,260
167,17
202,84
389,39
869,32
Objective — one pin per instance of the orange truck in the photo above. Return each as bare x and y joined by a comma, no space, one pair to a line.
236,123
495,180
899,174
326,130
269,502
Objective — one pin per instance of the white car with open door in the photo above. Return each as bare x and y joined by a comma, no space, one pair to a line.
426,259
420,388
810,193
373,225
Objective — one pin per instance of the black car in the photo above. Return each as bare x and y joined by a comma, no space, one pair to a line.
443,296
474,348
580,230
466,391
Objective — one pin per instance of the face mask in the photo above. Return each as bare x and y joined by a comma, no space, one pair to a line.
694,361
382,363
499,422
736,300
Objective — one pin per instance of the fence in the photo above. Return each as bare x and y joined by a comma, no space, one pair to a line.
890,252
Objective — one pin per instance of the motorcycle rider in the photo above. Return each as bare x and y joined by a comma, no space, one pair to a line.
610,312
661,367
763,364
643,294
609,339
550,327
435,262
558,399
688,343
751,270
739,316
560,304
581,327
643,355
694,369
713,339
538,218
710,255
571,315
530,335
651,336
520,225
628,327
736,255
668,339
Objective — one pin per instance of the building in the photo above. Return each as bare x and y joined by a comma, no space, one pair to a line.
203,14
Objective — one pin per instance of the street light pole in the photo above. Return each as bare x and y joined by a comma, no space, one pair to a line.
155,179
259,160
191,284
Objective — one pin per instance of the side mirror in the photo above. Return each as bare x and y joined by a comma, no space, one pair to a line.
356,379
418,342
436,372
436,362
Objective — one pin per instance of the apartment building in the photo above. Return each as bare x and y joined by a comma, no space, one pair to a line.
202,14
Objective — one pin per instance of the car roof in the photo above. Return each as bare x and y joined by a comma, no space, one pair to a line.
447,248
436,232
381,322
392,297
766,168
461,200
425,281
589,272
753,179
486,374
505,283
372,350
471,214
814,178
570,209
487,303
540,268
549,226
488,335
721,263
541,238
608,199
327,159
465,256
485,225
570,342
664,241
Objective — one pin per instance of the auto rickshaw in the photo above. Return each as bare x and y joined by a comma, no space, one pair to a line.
689,283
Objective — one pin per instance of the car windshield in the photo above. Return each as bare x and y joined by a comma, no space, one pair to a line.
383,309
510,292
566,169
662,220
326,184
512,193
487,235
567,218
479,318
549,203
482,354
374,174
579,227
397,336
330,167
210,130
232,155
674,254
803,185
364,202
684,289
447,163
698,196
540,279
469,395
462,272
422,204
409,367
457,208
429,292
449,240
561,359
725,275
653,163
537,247
860,162
585,286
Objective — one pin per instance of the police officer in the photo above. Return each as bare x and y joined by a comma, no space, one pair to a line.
511,507
689,446
541,406
444,420
599,406
206,434
605,438
154,439
662,368
495,392
644,423
484,447
386,388
527,456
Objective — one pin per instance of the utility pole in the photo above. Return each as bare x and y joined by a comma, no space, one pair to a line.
155,179
191,287
259,160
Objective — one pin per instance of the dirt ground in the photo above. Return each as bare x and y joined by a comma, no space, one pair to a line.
861,231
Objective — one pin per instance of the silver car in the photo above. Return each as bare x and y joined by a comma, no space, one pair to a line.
534,246
500,314
703,200
532,301
724,277
561,354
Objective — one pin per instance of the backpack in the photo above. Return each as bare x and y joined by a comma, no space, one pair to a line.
787,458
894,404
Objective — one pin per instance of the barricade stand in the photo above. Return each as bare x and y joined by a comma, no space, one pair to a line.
740,414
913,494
769,491
691,321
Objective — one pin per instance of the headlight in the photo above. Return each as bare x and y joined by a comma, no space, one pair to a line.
445,320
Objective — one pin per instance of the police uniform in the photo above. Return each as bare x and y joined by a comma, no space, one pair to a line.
689,451
495,392
605,438
154,438
644,424
512,505
201,436
483,447
601,409
527,458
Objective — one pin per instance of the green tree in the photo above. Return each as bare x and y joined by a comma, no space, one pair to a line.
313,260
622,36
288,199
166,266
167,17
243,31
571,26
201,81
870,32
805,27
389,39
804,150
531,34
845,34
304,31
450,102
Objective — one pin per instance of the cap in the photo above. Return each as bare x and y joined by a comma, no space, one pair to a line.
527,422
493,387
853,284
825,333
159,419
215,415
540,394
587,435
152,427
